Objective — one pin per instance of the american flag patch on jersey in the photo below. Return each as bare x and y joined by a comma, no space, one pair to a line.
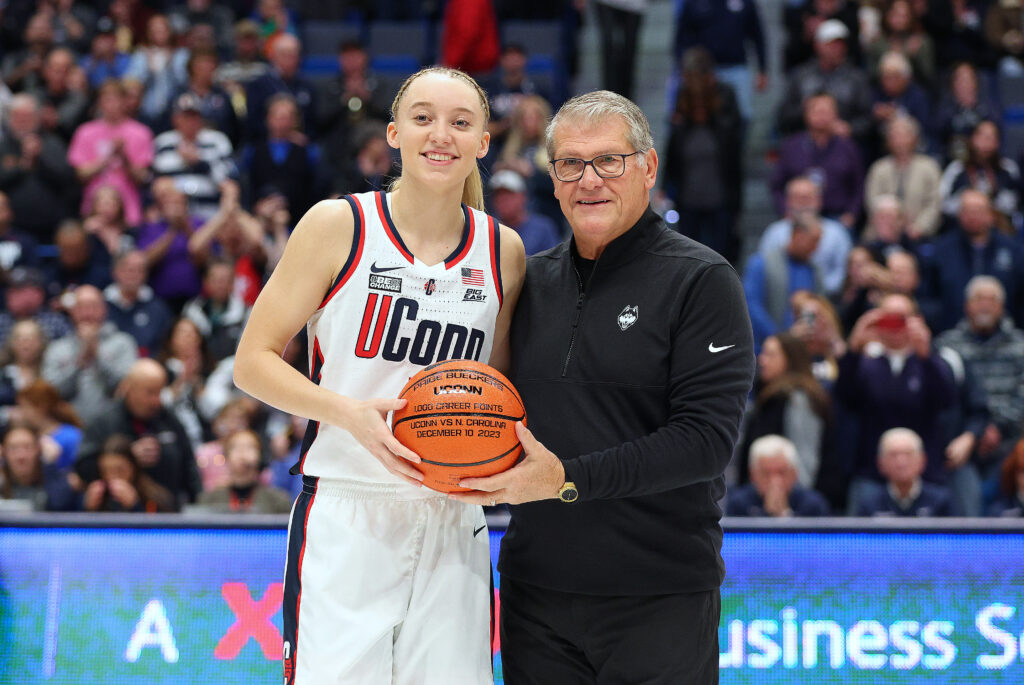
472,276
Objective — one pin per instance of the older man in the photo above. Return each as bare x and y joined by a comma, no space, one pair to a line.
87,366
283,77
159,442
975,249
633,353
901,460
773,489
989,344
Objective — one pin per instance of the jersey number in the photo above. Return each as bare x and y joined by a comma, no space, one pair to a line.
432,341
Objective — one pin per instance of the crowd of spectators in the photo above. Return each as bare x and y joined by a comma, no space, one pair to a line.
887,299
154,156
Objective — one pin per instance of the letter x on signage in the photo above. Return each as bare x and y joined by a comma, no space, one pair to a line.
252,620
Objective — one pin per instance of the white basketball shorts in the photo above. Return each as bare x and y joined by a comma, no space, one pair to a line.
383,586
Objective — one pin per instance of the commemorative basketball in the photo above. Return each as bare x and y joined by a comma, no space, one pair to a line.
460,419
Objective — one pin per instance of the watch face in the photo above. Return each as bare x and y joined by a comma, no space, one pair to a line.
569,495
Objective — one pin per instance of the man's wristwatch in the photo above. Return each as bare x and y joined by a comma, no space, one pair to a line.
568,492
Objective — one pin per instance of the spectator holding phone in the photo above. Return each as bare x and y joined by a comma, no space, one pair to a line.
891,377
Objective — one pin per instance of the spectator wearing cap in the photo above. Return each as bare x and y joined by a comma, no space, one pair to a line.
25,298
113,150
825,156
87,365
244,493
829,73
282,78
511,206
802,19
774,489
17,248
133,306
197,157
901,460
34,170
104,60
214,101
974,248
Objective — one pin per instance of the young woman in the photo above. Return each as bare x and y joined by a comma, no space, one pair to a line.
28,471
122,485
387,581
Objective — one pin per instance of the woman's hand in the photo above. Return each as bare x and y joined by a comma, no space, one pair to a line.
366,421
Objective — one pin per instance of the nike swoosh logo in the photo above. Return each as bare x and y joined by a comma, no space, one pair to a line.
477,531
382,269
715,350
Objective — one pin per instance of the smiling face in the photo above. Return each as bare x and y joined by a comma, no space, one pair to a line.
439,129
601,209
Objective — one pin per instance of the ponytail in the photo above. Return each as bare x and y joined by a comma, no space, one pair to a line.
473,190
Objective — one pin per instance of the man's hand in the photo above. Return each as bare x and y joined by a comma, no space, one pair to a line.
537,476
990,440
959,450
89,337
864,330
776,500
920,337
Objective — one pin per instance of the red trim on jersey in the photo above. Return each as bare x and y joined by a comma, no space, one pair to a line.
467,239
494,242
302,554
389,226
359,239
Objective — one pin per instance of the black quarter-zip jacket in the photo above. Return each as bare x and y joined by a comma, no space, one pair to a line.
637,380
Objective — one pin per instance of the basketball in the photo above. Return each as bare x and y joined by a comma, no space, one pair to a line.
460,418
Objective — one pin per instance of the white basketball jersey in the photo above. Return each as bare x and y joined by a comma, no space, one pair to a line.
387,316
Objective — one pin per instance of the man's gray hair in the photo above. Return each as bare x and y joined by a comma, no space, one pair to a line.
772,446
979,282
895,433
597,107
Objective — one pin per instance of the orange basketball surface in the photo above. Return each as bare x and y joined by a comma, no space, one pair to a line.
460,419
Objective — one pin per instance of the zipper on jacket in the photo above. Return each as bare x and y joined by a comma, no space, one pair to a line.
575,320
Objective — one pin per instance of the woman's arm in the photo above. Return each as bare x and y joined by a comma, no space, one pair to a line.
294,292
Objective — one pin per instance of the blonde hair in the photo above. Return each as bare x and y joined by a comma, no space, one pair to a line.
516,141
473,190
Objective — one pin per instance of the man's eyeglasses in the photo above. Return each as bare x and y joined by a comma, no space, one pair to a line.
611,165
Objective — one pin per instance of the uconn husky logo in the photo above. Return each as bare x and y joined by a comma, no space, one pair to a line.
628,316
380,333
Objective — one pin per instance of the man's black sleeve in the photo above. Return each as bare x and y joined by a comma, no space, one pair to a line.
707,393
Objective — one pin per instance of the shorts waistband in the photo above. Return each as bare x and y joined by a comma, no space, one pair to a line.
356,489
